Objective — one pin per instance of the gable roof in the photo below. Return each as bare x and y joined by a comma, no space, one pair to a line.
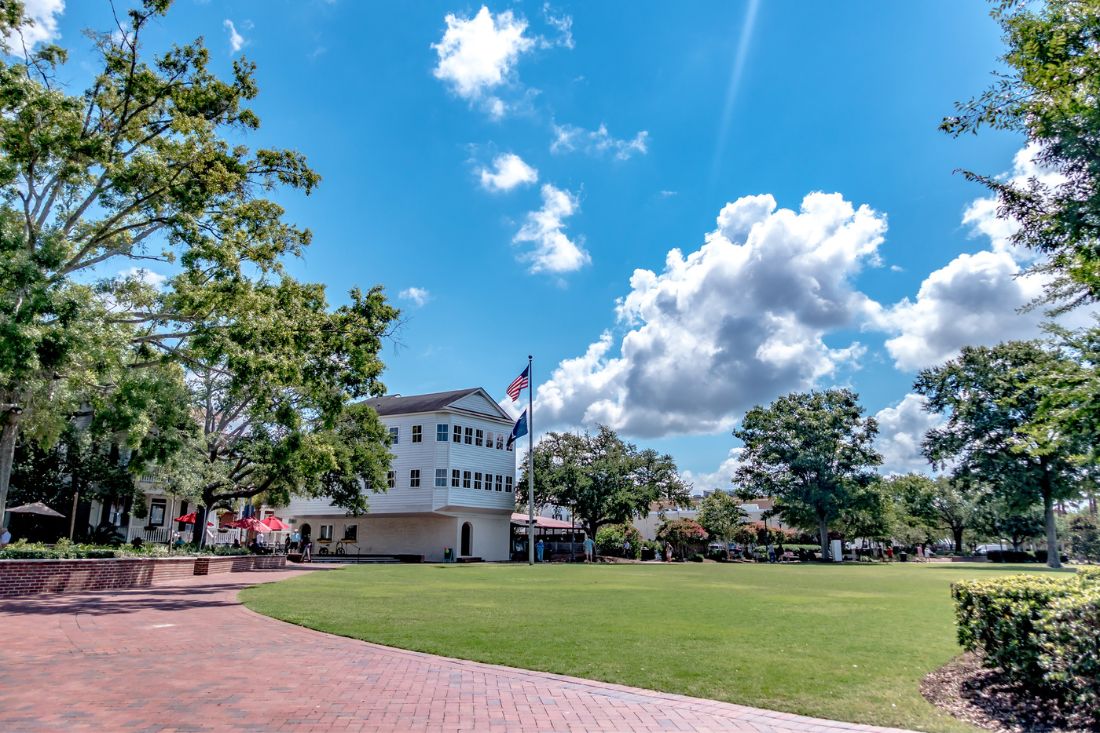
434,402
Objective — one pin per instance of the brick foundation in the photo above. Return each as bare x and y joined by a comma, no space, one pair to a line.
34,577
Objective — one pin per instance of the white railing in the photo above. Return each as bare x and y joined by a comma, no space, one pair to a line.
150,534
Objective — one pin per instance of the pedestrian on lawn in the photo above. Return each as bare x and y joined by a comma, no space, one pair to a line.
539,548
307,547
668,552
589,550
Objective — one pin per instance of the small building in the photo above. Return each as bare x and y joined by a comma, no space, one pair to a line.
450,486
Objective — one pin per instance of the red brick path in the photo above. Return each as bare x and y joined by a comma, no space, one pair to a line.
189,657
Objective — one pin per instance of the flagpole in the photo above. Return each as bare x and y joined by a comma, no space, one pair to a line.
530,462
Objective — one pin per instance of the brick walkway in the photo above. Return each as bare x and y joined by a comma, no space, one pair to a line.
189,657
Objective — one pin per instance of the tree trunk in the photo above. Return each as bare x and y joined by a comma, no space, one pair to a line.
198,535
823,532
957,534
8,434
1053,558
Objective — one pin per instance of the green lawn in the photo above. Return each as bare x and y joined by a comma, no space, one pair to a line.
844,642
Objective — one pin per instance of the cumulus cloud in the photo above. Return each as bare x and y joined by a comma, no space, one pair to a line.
570,138
148,277
976,298
418,296
722,478
509,171
730,325
479,54
553,250
42,28
973,300
236,40
901,429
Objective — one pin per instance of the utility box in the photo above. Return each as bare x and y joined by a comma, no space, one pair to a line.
836,549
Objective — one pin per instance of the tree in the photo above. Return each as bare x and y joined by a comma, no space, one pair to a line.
1049,93
611,539
136,168
274,373
991,396
681,533
721,516
603,478
812,452
1084,537
938,503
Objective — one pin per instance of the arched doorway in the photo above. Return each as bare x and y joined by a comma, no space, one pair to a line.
467,539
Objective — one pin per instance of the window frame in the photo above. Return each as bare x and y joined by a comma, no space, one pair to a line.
440,475
442,435
154,505
508,484
457,434
500,482
414,478
477,480
417,434
467,479
395,435
469,436
391,479
456,478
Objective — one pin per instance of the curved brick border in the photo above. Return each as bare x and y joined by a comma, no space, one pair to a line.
187,656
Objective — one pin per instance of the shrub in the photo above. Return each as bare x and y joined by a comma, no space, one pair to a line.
1068,635
1009,556
997,617
697,557
610,539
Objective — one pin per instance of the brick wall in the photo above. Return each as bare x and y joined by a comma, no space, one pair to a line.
32,577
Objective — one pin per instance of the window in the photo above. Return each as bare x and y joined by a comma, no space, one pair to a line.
510,445
479,437
156,513
500,482
456,478
351,532
477,479
394,436
500,441
441,477
469,436
508,484
441,432
488,482
326,532
488,438
414,478
417,435
458,434
465,479
391,478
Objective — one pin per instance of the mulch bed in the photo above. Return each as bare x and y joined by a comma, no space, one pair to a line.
980,696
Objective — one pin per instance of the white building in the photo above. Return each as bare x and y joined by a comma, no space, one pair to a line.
451,484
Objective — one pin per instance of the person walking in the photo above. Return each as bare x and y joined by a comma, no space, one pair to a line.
668,552
307,547
589,550
539,547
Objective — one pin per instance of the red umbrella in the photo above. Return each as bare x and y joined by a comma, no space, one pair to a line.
190,519
276,524
250,523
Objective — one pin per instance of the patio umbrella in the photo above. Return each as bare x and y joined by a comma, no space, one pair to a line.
190,519
35,508
276,524
251,523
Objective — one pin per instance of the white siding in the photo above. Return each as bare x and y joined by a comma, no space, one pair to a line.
476,402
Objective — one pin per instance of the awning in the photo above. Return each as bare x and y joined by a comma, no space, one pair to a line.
544,522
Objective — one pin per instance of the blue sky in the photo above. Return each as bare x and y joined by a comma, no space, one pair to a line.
504,171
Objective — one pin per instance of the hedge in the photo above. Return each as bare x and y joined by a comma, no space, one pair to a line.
1042,631
66,550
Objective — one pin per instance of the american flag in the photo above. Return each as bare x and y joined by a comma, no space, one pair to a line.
518,384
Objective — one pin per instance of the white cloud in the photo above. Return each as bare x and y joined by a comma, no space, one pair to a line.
732,324
901,431
570,138
973,300
418,296
510,171
479,54
236,40
553,251
722,478
148,277
563,24
43,29
976,298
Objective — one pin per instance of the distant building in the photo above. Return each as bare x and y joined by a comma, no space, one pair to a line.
660,512
451,483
